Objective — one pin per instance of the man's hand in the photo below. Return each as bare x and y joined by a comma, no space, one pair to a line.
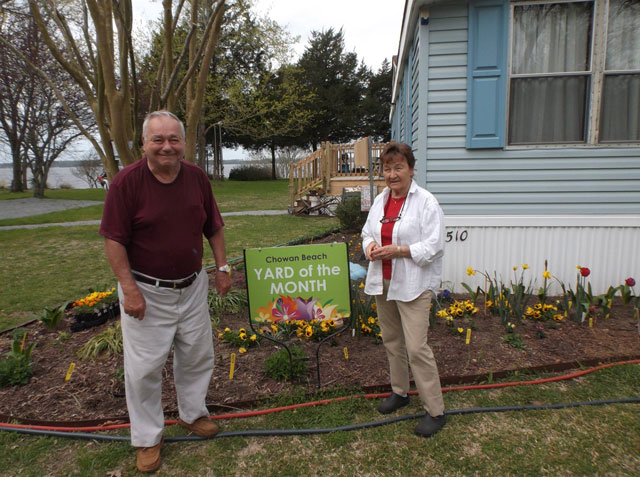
134,303
223,282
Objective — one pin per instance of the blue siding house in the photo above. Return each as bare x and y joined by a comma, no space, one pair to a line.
524,117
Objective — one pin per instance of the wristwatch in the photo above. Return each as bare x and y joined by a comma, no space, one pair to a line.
224,268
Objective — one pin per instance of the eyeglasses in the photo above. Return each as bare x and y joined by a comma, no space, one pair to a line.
389,220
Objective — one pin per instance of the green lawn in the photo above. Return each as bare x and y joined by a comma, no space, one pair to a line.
231,196
580,441
49,266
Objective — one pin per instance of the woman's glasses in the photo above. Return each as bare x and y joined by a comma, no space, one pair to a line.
389,220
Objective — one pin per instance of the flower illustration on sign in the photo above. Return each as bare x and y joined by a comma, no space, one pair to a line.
301,309
305,308
285,309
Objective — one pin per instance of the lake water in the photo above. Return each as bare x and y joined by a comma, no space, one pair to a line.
59,176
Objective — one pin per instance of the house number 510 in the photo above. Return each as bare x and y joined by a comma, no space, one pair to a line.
458,236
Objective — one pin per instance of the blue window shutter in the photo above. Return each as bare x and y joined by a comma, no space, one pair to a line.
487,73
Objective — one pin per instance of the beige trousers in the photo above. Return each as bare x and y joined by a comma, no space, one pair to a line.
178,318
404,327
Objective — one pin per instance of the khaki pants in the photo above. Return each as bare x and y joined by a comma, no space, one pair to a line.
404,327
173,317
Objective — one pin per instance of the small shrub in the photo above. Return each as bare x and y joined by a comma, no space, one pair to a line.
15,371
514,339
65,185
17,368
250,173
351,218
109,340
278,367
51,317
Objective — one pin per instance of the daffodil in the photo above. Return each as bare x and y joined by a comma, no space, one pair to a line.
525,266
546,275
242,350
470,271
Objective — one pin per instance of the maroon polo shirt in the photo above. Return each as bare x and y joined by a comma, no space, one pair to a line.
161,225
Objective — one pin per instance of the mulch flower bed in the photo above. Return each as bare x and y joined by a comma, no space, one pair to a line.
94,391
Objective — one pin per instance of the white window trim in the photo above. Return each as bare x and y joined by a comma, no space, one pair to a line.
596,73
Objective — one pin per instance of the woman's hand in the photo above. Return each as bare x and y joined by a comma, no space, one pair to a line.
387,252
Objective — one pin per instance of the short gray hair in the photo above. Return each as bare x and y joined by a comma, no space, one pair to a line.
159,113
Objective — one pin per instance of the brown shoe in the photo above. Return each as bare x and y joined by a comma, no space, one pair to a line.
148,458
202,427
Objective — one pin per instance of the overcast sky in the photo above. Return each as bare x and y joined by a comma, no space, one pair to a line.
371,27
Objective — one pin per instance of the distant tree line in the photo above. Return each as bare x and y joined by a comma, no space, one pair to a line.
73,69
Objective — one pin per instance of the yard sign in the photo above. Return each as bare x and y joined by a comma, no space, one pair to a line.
302,282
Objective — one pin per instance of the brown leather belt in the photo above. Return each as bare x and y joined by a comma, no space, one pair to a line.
164,283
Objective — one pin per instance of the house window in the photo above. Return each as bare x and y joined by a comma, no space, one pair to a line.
575,72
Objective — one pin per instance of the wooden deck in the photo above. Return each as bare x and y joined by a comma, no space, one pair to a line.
334,167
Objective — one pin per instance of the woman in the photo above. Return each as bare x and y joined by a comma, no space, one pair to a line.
404,240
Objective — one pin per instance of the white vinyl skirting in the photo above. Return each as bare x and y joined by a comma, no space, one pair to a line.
608,245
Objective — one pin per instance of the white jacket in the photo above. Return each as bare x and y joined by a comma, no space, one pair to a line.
421,227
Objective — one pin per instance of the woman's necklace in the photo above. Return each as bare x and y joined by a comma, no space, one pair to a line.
397,200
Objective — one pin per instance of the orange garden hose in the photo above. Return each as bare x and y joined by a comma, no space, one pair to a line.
239,415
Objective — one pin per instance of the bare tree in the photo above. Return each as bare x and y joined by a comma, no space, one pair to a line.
100,59
37,127
16,87
88,169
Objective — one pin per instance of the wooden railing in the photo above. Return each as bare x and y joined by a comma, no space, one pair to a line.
331,161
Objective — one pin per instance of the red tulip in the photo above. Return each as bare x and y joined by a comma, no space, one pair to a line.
630,282
584,271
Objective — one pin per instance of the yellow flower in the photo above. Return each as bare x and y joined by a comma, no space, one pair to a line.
242,336
525,266
515,268
371,320
373,306
470,271
220,335
274,328
253,337
546,275
242,330
242,350
362,285
226,330
308,332
461,330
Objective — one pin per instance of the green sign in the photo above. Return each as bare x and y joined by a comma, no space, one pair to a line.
302,282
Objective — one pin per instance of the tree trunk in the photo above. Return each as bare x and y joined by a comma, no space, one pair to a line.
274,176
202,148
17,185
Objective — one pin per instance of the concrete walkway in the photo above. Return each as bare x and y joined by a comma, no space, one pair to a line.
15,208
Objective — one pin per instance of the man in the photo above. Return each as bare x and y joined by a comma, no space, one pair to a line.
155,214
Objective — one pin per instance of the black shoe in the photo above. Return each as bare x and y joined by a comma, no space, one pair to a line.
428,426
392,403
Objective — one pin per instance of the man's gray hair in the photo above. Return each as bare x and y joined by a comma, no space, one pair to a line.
159,113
